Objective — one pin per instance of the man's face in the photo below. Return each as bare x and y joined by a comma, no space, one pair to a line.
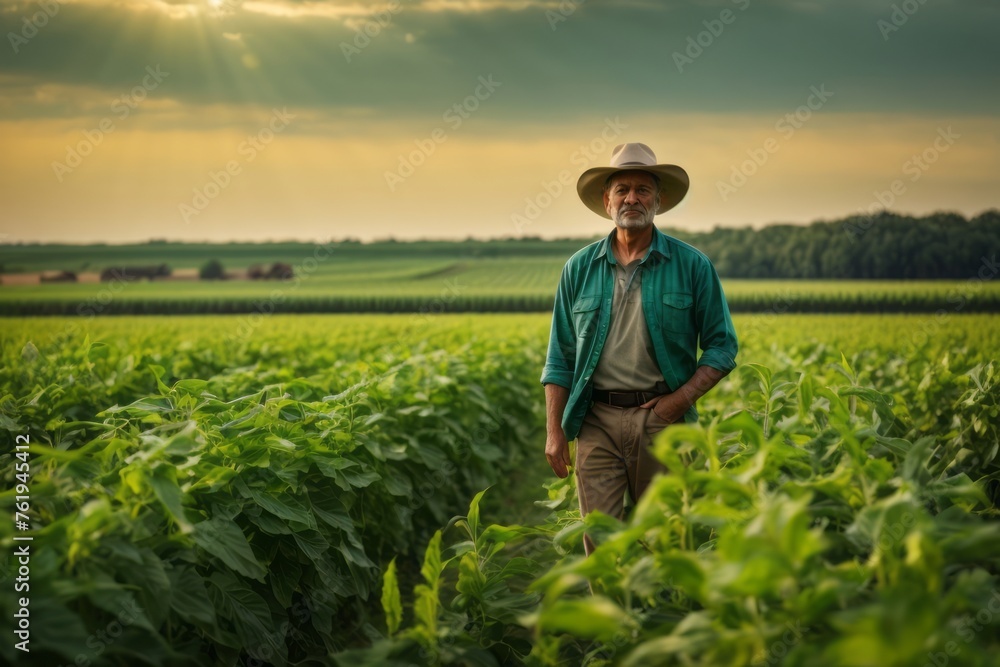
632,199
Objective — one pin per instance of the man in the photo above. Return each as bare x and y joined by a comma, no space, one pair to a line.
630,311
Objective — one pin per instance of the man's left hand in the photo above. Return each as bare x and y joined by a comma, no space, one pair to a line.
668,407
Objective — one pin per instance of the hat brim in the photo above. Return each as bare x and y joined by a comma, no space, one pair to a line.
674,185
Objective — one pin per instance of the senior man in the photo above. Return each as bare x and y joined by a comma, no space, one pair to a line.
630,312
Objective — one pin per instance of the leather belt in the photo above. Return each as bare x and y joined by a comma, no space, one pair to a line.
623,399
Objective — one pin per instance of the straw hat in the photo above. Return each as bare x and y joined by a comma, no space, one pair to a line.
626,157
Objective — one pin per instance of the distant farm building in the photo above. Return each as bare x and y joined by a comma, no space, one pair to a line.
277,271
132,273
57,277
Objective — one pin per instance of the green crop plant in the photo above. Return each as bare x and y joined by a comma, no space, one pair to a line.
242,516
257,490
828,512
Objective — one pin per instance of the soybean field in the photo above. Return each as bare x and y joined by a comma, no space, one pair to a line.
371,490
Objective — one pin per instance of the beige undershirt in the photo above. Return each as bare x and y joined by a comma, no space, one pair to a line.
628,361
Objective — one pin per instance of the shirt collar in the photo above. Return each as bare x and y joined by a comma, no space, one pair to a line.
659,246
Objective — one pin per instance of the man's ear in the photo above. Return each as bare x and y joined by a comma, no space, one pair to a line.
607,201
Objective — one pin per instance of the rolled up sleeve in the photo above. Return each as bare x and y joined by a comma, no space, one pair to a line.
717,335
561,356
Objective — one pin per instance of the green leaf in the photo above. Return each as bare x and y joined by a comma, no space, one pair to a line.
571,534
250,616
223,539
594,618
312,543
342,472
158,372
285,581
847,367
191,385
168,492
915,465
763,374
431,569
114,598
470,579
473,517
357,479
284,506
152,585
189,597
392,606
331,511
354,554
503,534
399,484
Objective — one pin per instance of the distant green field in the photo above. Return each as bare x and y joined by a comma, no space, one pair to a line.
495,276
26,258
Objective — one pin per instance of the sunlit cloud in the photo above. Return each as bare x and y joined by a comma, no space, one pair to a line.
339,10
233,62
329,10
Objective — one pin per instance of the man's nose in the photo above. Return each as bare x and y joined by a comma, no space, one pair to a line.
631,197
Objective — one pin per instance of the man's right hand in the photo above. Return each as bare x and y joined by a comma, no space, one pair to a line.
556,445
557,452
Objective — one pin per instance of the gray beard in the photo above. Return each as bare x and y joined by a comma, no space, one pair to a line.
634,223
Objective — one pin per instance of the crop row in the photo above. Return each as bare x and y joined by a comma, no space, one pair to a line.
222,499
233,489
776,300
827,512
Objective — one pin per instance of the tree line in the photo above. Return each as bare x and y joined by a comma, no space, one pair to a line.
882,246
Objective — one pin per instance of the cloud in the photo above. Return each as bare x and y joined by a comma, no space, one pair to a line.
604,58
339,10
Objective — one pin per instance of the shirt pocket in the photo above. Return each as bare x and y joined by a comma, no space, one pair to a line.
585,311
677,312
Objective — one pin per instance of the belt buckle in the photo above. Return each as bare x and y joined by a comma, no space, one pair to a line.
624,394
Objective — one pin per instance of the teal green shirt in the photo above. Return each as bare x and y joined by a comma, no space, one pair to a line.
683,304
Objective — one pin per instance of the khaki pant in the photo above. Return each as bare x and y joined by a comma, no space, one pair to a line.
613,456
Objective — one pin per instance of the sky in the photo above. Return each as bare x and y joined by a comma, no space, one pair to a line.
125,120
